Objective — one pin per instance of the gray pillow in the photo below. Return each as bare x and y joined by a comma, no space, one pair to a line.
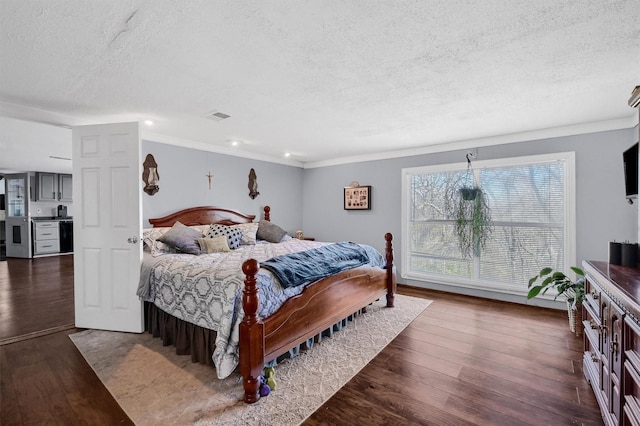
270,232
182,238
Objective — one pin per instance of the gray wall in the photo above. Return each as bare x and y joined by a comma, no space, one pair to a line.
602,211
312,199
183,183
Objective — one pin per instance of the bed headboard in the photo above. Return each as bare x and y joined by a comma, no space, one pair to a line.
206,215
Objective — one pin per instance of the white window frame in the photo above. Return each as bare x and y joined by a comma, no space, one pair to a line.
470,283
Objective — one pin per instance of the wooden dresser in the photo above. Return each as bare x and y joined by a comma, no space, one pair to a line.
611,317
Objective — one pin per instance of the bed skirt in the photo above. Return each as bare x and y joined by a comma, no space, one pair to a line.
188,339
199,342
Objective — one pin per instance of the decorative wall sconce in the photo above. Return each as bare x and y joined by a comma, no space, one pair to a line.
253,184
150,175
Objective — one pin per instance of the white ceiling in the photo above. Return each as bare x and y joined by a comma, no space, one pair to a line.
322,80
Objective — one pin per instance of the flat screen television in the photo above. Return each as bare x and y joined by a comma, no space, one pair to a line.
630,158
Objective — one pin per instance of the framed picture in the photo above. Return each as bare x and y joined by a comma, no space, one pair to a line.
357,198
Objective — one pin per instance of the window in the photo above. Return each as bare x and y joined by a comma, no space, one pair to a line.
532,217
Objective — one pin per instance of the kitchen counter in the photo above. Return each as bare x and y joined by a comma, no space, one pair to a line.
50,218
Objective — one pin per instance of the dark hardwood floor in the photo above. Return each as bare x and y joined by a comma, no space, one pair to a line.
463,361
36,296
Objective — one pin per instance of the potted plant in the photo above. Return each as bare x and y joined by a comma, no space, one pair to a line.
573,291
472,217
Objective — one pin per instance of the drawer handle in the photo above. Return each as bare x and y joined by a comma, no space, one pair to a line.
614,347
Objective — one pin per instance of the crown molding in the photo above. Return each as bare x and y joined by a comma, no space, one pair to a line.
554,132
203,146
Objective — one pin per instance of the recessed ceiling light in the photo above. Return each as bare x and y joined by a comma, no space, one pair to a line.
148,122
287,154
235,143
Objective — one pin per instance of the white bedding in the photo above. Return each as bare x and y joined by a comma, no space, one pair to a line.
184,286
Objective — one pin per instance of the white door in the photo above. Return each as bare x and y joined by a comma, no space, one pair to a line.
106,226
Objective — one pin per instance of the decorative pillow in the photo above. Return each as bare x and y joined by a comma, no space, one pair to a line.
151,244
249,231
213,245
270,232
202,228
182,238
234,235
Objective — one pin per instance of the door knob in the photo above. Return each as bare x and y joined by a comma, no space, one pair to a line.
132,240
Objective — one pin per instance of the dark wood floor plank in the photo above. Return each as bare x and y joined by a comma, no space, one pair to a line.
459,362
35,294
552,368
9,409
517,347
39,396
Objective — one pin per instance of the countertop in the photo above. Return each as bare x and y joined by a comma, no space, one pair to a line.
50,218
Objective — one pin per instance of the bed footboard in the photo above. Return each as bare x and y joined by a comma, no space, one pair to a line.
318,307
251,345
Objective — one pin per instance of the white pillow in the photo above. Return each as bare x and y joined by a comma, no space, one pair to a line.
249,231
151,244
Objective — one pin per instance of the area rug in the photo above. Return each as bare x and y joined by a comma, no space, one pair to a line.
154,386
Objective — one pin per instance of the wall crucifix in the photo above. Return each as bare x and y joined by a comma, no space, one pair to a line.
210,176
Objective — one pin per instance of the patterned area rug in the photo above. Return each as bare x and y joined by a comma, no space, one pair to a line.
155,386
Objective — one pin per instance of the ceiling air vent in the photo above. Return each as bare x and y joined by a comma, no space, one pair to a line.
218,116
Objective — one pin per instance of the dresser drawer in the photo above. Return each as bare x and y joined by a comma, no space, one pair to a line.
592,329
47,246
47,234
592,297
46,225
631,408
46,231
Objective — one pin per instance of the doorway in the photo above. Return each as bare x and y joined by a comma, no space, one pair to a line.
3,214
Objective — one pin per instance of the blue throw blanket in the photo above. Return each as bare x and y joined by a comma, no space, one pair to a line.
311,265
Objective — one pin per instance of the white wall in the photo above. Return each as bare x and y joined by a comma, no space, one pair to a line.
27,146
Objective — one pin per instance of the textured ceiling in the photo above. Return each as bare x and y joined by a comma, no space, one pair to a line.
321,79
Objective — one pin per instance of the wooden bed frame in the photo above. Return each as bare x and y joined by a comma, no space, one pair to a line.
300,318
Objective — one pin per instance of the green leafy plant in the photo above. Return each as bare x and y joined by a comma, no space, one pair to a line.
572,290
472,220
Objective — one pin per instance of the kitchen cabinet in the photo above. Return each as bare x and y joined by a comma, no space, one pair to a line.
54,187
65,188
46,186
46,237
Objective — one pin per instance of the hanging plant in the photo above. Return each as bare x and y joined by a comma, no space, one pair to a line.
472,221
468,206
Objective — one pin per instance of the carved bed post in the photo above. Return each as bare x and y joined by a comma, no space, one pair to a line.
267,214
391,282
251,345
